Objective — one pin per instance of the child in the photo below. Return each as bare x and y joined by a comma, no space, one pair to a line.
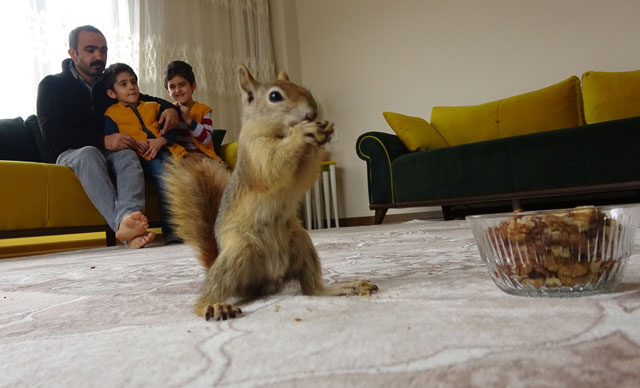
139,119
194,132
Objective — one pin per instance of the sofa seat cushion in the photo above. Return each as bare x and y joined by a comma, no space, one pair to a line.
480,168
40,195
610,95
554,107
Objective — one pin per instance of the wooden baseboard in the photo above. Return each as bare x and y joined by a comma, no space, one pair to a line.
392,218
40,245
52,247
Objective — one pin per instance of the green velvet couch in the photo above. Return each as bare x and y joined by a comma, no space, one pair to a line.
572,143
594,158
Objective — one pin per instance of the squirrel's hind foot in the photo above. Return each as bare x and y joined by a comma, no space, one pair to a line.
216,311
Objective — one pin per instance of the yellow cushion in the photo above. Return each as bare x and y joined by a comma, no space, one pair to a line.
415,132
43,196
23,198
466,124
229,153
68,203
554,107
610,95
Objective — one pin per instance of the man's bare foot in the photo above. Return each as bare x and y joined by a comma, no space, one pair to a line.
142,240
132,225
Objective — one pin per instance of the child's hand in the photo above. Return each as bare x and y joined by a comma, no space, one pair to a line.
119,141
169,119
154,147
141,147
185,113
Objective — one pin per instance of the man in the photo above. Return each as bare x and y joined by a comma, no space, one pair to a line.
70,109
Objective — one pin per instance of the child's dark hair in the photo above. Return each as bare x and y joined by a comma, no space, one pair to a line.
181,68
111,73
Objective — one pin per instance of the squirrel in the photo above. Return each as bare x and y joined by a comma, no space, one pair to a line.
244,225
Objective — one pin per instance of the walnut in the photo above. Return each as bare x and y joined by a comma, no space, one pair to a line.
573,270
535,282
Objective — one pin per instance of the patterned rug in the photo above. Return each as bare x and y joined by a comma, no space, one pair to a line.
111,317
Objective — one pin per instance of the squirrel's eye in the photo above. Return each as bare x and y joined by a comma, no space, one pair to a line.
275,97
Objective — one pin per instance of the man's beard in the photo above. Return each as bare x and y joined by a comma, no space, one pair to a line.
97,67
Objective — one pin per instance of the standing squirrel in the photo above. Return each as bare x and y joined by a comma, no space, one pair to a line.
244,226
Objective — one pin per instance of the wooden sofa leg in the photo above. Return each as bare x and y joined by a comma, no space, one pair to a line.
516,204
111,238
447,213
380,213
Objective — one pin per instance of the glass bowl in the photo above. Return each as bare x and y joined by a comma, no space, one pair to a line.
564,252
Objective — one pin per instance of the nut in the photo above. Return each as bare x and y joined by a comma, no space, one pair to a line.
554,250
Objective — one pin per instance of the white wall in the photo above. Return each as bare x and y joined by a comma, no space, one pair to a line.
363,57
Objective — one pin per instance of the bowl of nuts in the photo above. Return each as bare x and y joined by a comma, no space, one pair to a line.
564,252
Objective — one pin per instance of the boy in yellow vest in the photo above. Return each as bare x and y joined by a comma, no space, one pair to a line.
195,131
139,119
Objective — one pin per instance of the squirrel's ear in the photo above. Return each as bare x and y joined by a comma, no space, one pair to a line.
247,82
283,76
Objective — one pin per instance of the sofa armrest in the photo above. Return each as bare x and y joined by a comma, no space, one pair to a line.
379,149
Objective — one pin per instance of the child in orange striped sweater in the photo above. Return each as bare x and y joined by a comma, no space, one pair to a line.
195,131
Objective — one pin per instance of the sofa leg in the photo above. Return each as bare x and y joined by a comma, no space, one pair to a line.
516,204
111,238
447,213
380,213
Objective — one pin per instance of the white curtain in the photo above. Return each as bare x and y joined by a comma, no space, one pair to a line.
35,40
214,37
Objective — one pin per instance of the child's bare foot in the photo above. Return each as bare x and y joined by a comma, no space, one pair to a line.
142,240
132,225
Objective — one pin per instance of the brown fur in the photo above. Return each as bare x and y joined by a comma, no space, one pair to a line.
195,186
262,241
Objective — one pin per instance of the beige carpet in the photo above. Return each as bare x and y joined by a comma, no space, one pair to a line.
116,318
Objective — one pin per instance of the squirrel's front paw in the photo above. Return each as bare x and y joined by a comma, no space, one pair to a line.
326,131
316,133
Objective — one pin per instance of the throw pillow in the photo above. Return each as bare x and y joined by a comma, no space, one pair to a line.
17,143
218,136
34,129
229,153
554,107
415,132
466,124
610,95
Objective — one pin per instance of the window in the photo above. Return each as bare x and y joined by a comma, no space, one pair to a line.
35,41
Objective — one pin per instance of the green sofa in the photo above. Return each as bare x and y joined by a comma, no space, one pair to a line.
595,158
593,162
39,198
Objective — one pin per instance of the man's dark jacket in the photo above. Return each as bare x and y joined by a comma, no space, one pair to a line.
71,116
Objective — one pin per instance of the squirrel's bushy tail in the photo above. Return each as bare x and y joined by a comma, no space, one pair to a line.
194,189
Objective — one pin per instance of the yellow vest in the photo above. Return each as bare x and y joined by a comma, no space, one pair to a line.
198,111
129,124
